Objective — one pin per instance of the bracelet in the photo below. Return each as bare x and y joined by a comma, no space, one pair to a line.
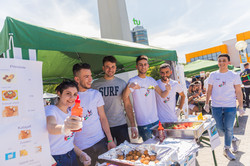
110,141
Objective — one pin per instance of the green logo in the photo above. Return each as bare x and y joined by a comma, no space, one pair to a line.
136,22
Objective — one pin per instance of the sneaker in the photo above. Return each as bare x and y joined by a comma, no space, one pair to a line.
228,154
235,144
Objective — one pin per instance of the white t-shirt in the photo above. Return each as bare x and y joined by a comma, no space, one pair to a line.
206,83
166,106
59,144
144,101
223,92
92,129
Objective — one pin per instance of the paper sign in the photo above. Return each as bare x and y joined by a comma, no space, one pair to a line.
202,74
200,117
190,160
24,137
214,137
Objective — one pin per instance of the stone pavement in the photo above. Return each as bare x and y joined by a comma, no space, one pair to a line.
205,157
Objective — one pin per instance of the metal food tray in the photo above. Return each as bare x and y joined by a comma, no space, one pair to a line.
164,154
180,133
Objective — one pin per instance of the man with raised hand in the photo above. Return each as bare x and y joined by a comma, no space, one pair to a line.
92,138
166,106
224,86
143,90
111,89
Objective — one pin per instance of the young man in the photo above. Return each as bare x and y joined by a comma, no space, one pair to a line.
166,106
91,139
111,89
224,86
144,101
246,82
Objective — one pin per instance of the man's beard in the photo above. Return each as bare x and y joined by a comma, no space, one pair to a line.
142,72
165,78
109,75
84,87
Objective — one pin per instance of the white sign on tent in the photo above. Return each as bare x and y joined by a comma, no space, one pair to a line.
181,80
24,137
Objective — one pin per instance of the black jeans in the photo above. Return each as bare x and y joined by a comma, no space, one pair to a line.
120,133
95,150
247,92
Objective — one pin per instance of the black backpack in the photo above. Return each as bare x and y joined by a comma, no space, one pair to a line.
245,77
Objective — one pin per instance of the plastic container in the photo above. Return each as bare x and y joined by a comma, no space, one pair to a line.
161,132
77,110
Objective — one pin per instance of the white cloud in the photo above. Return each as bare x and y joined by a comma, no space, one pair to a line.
201,25
186,26
61,15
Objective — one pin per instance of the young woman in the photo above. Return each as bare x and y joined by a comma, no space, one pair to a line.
59,125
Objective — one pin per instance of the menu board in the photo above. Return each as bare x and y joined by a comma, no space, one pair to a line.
24,137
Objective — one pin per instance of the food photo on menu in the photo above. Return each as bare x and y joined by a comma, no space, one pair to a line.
24,134
9,95
8,78
10,111
23,153
38,149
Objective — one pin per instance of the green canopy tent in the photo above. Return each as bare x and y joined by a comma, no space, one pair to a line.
59,51
196,67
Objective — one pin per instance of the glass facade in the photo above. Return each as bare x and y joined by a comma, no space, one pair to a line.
212,56
248,47
139,35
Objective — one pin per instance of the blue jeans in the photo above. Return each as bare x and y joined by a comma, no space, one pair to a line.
145,131
224,117
68,159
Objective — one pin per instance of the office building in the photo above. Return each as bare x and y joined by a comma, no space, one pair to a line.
139,35
228,47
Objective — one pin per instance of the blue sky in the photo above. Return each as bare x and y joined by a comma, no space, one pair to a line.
181,25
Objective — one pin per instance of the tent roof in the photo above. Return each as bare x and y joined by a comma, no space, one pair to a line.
49,95
57,49
197,66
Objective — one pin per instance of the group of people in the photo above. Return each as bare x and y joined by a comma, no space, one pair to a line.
194,92
106,104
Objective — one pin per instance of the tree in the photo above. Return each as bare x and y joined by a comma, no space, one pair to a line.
154,72
50,88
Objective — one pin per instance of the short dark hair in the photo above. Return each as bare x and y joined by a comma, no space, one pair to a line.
165,65
196,82
141,57
245,64
109,59
193,79
77,67
191,85
66,83
224,55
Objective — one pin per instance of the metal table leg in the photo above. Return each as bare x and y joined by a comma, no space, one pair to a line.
237,121
203,139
